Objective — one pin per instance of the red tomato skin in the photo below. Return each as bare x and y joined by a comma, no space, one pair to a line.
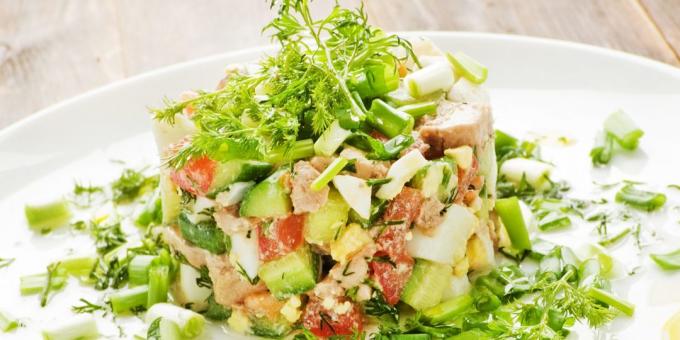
391,278
334,324
405,206
284,235
196,176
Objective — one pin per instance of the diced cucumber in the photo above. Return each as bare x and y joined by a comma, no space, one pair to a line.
446,310
170,200
419,336
429,180
234,193
237,170
427,283
352,240
322,225
269,198
331,139
270,329
204,234
401,172
356,193
292,274
447,242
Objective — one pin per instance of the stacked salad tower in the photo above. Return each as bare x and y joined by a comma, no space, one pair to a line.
347,176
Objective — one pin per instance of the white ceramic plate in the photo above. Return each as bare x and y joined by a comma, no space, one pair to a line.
539,88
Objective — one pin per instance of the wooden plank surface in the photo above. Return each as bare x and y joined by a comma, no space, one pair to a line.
52,50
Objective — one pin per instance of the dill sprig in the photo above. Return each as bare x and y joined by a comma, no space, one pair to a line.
297,92
87,307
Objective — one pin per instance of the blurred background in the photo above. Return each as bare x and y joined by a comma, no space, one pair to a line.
54,49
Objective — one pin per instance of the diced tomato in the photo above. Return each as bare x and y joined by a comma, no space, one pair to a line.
281,237
405,206
325,322
392,241
392,276
196,176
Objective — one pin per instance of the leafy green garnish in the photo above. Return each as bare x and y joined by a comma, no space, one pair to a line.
6,262
131,184
87,307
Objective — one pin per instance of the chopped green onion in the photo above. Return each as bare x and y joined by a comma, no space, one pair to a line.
37,283
614,239
509,211
602,151
138,270
430,79
418,110
189,322
300,149
536,174
47,217
553,220
388,120
331,139
159,282
611,300
667,261
639,199
125,300
79,267
152,212
7,322
78,327
625,130
327,175
447,310
467,67
377,79
163,329
504,140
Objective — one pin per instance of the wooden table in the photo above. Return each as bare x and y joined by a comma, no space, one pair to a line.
52,50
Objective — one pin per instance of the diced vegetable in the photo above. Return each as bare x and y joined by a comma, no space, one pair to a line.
667,261
204,234
462,155
377,79
301,149
331,139
401,172
189,322
323,225
356,193
509,211
138,269
237,170
273,191
378,150
170,200
244,252
234,193
187,291
329,173
351,241
426,285
389,121
125,300
445,243
79,267
608,298
49,216
159,284
625,130
640,199
75,328
239,321
36,283
7,322
400,97
290,275
467,67
163,329
446,310
602,151
536,174
152,212
418,110
429,180
430,79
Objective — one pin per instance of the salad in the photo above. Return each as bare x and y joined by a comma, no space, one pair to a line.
350,185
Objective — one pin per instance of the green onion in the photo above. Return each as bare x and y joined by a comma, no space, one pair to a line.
447,310
388,120
327,175
47,217
36,283
602,151
163,329
627,133
419,109
125,300
300,149
616,238
376,79
78,327
152,212
536,174
159,282
467,67
611,300
430,79
7,322
79,267
667,261
331,139
416,336
509,211
138,270
554,220
639,199
189,322
504,140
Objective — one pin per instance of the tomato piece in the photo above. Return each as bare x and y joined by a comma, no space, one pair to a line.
325,322
405,206
392,276
196,176
281,237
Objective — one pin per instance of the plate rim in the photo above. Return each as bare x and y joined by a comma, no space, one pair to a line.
518,38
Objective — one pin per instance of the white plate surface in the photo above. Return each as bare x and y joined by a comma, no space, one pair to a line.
539,88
